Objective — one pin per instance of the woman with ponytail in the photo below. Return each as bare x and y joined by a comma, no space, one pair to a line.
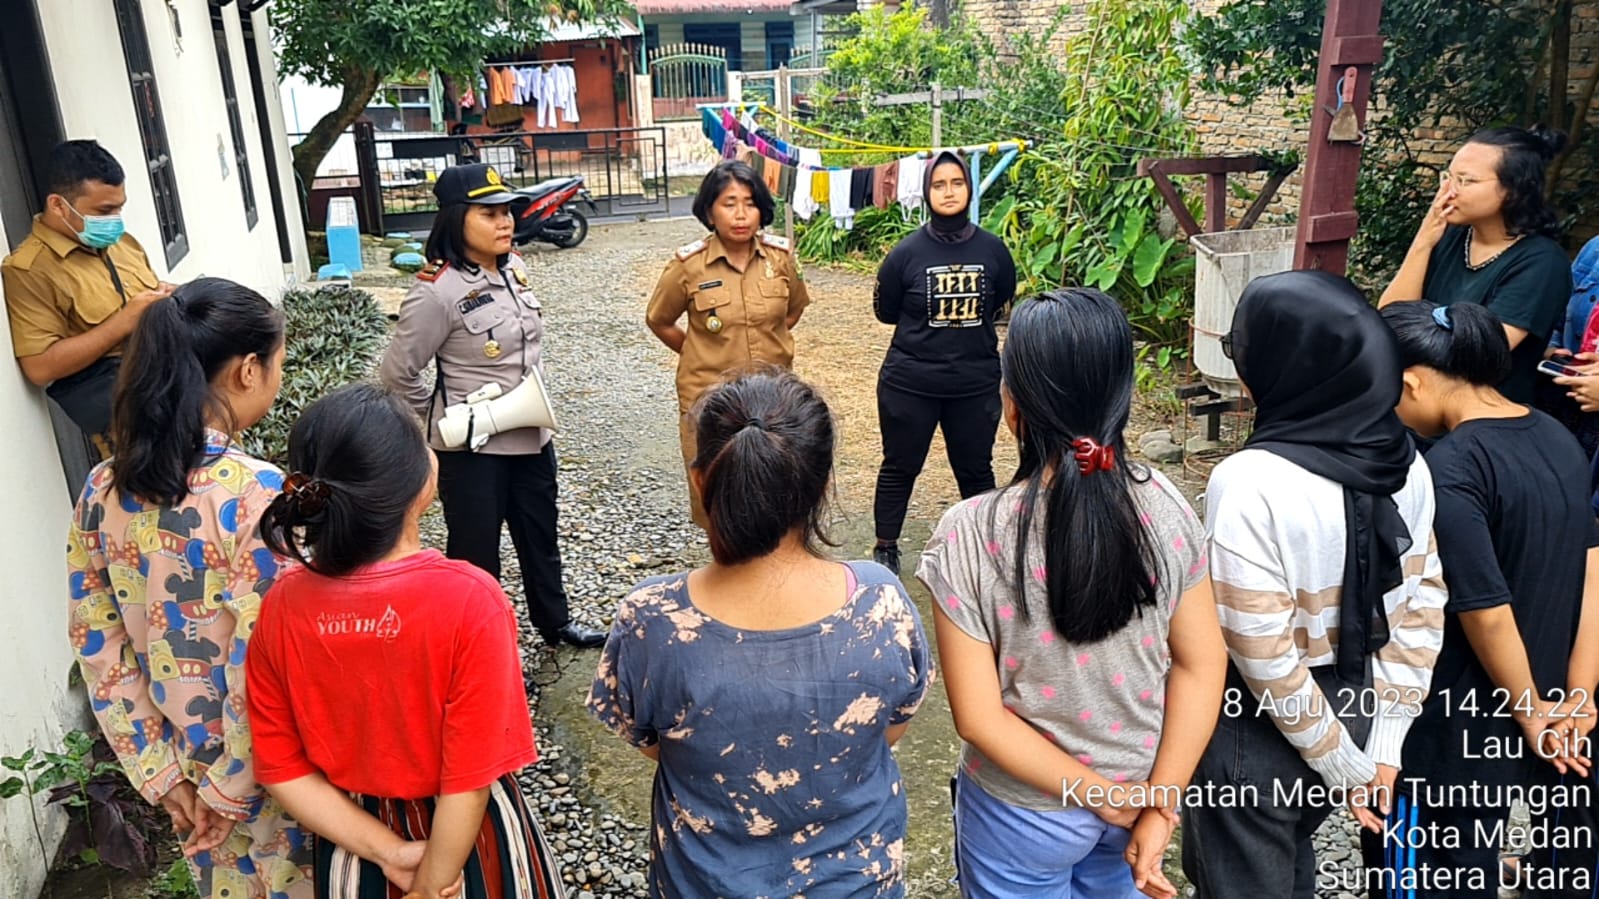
1328,585
770,684
1075,628
166,573
1519,665
386,692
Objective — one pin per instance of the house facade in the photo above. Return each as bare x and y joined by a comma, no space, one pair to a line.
183,93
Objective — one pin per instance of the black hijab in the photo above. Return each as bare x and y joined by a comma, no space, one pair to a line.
1324,372
957,228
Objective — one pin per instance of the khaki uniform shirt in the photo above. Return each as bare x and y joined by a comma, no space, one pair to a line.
733,319
57,288
481,326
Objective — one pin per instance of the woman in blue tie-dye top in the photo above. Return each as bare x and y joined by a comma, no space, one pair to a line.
771,683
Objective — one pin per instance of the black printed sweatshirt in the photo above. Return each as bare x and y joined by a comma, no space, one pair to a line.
942,299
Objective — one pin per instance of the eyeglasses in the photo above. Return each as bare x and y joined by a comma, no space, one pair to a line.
1227,345
1461,182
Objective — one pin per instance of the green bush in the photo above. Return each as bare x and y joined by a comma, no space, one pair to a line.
333,336
1073,209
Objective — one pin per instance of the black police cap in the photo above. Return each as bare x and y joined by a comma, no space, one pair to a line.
478,183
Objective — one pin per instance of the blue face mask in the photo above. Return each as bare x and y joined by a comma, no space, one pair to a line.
99,231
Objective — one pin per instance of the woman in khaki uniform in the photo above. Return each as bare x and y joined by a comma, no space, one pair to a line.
739,288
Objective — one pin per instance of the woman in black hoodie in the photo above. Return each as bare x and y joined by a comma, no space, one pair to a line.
942,288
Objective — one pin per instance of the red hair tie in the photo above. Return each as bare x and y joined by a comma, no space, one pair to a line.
1092,457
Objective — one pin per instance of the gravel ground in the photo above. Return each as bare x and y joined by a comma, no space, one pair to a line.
623,514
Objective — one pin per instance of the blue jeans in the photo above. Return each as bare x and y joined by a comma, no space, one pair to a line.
1002,850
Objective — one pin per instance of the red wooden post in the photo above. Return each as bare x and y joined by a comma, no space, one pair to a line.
1327,217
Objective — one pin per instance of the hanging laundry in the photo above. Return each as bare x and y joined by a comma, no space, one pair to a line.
885,184
568,93
804,198
860,189
502,85
909,193
771,172
821,186
838,204
528,81
549,94
785,182
745,154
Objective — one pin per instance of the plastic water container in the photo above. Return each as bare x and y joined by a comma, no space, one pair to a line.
344,233
1225,263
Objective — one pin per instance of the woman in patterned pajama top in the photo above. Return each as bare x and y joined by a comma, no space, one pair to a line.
770,684
166,570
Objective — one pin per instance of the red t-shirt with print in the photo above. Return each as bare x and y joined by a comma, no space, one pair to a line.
402,680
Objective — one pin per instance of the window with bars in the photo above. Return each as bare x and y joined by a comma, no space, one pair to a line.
152,129
230,99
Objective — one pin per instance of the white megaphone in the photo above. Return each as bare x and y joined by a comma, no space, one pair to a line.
485,412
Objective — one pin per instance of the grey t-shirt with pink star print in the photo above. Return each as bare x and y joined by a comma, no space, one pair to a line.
1104,701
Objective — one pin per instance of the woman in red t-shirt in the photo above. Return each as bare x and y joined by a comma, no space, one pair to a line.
385,685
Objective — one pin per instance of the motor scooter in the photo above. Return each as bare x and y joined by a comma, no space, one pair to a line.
550,214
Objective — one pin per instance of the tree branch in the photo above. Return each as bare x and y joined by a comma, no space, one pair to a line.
359,86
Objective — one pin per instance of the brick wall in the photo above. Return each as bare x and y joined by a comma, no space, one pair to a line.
1228,129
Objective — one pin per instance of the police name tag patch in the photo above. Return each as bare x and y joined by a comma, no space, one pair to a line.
473,300
709,284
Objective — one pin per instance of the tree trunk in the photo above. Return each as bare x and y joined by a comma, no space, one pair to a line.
938,13
359,86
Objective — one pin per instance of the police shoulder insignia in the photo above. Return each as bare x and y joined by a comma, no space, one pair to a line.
772,240
433,270
684,252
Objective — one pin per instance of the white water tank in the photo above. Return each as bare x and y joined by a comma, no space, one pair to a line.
1225,263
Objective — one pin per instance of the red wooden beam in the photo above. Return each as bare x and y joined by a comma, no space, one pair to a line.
1327,207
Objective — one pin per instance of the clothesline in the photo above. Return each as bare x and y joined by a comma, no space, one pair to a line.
799,176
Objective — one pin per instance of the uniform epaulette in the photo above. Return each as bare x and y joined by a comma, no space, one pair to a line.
772,240
23,256
684,253
433,270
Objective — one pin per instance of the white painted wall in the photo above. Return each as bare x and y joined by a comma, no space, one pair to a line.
303,103
91,84
35,657
85,52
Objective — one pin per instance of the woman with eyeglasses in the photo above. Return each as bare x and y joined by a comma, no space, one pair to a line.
1488,238
166,570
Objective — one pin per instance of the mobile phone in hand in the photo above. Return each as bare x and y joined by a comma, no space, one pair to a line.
1554,368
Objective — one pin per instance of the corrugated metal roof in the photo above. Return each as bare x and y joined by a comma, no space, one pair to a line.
730,7
560,31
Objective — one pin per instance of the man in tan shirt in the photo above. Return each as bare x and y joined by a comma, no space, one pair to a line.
76,285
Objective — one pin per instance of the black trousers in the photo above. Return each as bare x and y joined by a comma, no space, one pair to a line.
907,421
479,491
1260,846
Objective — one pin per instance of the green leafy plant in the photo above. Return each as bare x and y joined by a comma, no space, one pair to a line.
176,882
1073,209
107,822
333,336
1446,69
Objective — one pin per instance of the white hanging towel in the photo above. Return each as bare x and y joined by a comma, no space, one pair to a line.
810,160
549,83
909,192
569,93
838,184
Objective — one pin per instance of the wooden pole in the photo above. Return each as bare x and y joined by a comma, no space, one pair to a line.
1327,217
938,116
785,112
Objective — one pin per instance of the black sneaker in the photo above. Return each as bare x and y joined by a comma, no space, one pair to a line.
887,556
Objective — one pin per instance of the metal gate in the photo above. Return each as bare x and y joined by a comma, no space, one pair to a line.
623,168
685,75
